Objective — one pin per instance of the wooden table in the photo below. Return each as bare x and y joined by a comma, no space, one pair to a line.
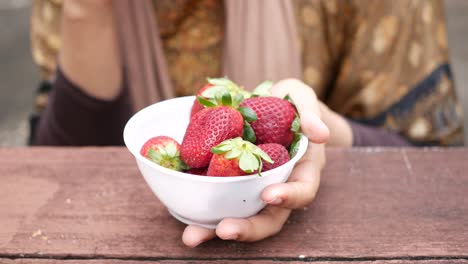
375,205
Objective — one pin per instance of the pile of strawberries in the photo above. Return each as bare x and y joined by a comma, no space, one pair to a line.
232,132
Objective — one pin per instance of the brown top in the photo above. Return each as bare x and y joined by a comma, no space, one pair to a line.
73,118
403,84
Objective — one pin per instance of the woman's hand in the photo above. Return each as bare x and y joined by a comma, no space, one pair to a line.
281,198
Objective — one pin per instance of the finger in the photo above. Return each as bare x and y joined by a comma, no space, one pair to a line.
310,164
303,182
291,195
195,235
267,223
308,107
314,128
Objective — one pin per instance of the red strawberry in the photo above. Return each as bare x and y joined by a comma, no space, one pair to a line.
164,151
206,129
236,157
278,153
217,86
196,105
222,167
275,117
197,171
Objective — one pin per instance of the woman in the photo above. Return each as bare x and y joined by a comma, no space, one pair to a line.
379,72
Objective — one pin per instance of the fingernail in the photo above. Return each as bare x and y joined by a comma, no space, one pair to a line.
275,201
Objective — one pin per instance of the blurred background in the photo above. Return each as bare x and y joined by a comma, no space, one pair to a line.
19,76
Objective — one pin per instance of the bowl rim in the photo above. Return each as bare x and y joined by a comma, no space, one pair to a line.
303,144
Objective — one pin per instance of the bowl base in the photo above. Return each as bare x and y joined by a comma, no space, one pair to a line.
189,222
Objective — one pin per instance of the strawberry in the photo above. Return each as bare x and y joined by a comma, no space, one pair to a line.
223,167
274,122
216,86
278,153
196,105
164,151
236,157
206,129
197,171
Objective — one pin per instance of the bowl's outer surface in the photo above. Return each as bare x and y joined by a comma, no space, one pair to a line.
190,198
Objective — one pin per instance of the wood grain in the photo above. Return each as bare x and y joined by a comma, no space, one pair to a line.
372,204
100,261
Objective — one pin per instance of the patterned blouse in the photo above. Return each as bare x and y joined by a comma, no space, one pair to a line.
379,62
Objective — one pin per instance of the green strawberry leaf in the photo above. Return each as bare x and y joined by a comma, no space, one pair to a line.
248,162
245,93
221,148
296,128
216,150
296,125
248,133
233,153
221,82
183,166
260,153
161,151
250,156
205,102
154,156
219,98
237,100
289,99
260,168
248,114
294,147
213,90
263,89
226,99
163,157
171,150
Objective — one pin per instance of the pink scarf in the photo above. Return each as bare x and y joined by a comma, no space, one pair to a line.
260,43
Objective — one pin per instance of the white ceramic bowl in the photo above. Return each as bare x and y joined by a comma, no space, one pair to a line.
193,199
